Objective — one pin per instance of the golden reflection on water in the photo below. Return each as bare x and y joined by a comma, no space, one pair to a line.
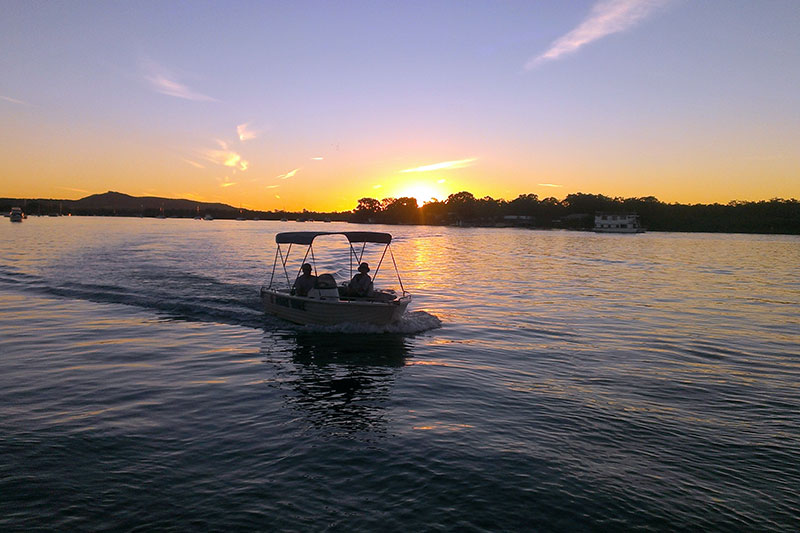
103,342
101,366
440,426
420,263
247,361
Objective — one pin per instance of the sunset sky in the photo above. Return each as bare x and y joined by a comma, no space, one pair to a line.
291,105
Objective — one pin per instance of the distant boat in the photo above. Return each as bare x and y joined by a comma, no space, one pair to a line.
208,217
16,214
284,219
617,223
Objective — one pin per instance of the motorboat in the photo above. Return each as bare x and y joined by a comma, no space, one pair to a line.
328,303
16,214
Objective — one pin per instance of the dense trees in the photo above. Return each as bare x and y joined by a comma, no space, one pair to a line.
577,211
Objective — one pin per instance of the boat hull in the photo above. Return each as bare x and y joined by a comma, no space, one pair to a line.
302,310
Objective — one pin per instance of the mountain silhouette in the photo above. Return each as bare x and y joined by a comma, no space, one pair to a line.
126,202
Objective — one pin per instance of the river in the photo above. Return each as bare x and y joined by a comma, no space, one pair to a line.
542,380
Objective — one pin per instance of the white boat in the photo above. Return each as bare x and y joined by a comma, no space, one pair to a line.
16,214
327,303
617,223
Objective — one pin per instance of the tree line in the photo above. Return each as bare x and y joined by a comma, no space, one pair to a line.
576,211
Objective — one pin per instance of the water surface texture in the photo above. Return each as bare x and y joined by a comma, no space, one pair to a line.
576,382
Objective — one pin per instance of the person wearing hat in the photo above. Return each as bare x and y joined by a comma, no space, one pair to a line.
304,282
361,284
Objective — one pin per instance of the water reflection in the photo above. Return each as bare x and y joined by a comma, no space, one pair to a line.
342,383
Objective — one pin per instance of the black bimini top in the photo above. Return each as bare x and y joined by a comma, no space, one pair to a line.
307,237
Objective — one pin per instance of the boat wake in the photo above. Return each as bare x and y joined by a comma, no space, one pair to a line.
173,295
177,295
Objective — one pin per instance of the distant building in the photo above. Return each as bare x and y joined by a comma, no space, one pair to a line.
518,220
617,223
574,221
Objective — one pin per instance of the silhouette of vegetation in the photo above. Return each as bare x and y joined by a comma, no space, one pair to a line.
123,205
577,210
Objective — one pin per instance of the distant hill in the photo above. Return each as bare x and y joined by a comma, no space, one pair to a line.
126,202
114,203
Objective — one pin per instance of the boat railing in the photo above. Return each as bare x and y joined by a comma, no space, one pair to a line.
307,238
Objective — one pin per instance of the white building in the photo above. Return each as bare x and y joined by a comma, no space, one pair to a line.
617,223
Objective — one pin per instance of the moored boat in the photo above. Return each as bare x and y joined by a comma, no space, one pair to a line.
326,303
16,214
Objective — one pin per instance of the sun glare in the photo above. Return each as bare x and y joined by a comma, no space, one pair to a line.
423,192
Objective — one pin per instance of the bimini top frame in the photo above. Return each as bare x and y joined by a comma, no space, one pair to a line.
307,238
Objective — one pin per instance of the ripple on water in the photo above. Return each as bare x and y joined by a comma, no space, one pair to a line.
541,381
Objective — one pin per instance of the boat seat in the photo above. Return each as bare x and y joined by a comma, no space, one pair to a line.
326,281
325,288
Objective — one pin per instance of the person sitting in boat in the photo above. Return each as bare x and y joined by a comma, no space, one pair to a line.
304,282
361,284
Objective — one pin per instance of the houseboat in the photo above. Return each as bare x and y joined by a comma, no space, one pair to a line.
617,223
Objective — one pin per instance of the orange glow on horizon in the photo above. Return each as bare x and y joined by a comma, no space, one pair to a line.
422,191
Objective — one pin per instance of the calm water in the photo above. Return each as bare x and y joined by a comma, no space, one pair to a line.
577,382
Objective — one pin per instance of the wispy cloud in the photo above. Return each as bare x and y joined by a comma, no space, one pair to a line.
446,165
606,17
13,100
74,190
288,175
245,133
377,186
227,158
226,182
548,185
164,82
193,163
317,158
191,196
441,180
272,186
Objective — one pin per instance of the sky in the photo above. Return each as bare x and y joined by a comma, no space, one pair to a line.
314,104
